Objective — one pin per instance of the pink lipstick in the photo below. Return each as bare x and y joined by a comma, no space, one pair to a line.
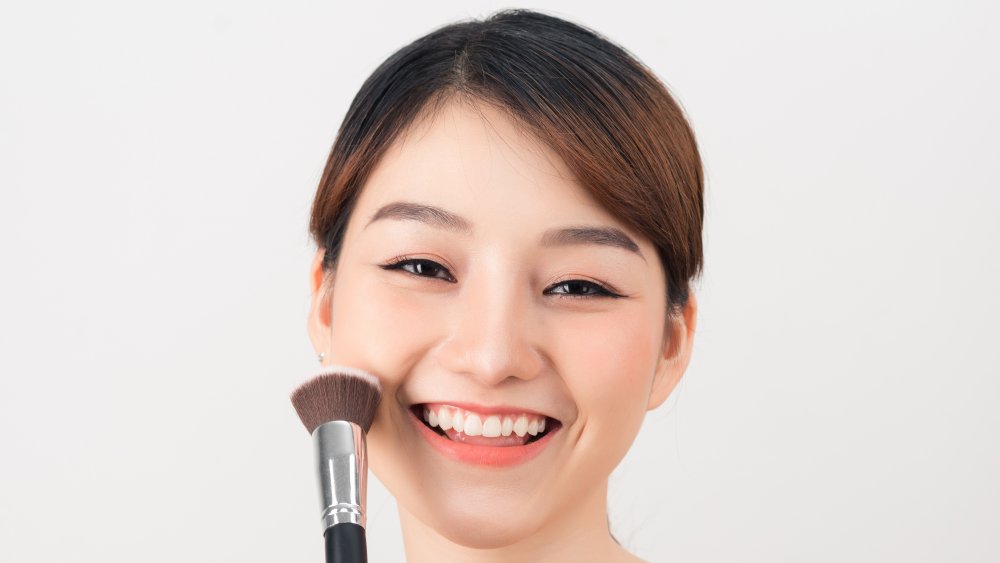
500,455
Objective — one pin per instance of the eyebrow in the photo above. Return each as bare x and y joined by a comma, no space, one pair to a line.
585,234
433,216
446,220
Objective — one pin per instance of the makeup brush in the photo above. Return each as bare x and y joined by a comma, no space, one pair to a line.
337,405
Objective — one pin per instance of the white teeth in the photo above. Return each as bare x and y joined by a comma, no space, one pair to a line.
521,426
473,425
445,419
491,428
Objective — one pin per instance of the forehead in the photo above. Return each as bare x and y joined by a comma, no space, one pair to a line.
475,160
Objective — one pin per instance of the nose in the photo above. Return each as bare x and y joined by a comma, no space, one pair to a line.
492,335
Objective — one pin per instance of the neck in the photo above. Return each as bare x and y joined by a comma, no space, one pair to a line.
579,533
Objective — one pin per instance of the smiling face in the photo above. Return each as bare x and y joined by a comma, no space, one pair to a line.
476,273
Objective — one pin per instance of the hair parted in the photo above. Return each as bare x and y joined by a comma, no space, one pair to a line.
610,119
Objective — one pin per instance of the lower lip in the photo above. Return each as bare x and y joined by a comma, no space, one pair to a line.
490,456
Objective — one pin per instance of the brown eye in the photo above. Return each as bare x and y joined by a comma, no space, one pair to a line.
581,288
419,267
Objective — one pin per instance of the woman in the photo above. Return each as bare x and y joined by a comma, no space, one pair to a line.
507,229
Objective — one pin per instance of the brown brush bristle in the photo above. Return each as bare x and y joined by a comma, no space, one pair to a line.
338,393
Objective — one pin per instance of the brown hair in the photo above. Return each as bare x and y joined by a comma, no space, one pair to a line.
603,112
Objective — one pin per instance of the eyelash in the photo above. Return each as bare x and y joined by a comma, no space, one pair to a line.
601,290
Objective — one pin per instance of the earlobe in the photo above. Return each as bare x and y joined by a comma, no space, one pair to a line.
676,353
318,321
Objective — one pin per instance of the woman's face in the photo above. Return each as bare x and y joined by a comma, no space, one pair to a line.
493,307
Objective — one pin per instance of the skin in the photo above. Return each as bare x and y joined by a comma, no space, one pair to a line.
493,324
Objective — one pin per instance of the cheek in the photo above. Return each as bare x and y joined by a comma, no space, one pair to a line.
383,330
375,327
609,370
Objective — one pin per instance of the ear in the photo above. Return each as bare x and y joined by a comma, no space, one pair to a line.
318,322
677,344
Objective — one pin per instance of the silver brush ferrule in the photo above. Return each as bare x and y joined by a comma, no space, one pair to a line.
342,461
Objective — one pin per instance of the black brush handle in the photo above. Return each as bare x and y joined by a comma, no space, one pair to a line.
345,543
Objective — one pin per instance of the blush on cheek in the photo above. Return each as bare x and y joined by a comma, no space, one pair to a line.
380,326
614,361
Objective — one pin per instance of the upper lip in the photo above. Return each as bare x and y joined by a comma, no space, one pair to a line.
487,409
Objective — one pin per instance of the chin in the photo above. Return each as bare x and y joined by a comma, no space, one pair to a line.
477,517
487,530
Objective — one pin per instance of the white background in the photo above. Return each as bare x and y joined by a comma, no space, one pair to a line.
157,164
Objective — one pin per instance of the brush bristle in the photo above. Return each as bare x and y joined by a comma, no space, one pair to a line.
338,393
